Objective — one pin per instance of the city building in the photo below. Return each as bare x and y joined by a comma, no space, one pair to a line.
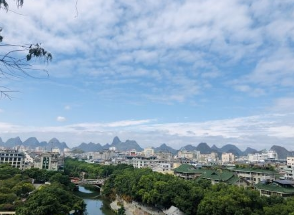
290,162
211,158
228,158
223,176
49,161
188,172
148,152
145,162
262,157
12,157
284,188
254,175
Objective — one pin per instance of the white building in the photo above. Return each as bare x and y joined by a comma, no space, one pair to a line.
228,158
148,152
191,155
12,157
209,158
56,150
290,162
261,157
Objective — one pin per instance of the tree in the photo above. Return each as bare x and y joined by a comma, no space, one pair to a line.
51,199
12,64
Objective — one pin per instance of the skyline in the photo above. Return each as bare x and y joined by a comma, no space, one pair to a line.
174,72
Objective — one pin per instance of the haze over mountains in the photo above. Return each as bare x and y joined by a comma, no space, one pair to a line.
204,148
33,142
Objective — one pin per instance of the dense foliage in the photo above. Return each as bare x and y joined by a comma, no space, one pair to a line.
52,199
18,193
75,168
191,197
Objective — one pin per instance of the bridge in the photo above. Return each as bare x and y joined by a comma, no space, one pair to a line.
95,182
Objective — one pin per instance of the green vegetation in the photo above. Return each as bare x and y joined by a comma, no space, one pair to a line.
52,199
191,197
74,168
17,193
142,185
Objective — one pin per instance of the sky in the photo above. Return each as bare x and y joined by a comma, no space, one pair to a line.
171,71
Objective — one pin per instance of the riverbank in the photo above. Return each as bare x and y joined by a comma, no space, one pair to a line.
135,208
96,204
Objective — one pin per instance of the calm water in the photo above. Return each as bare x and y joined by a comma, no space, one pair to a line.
95,205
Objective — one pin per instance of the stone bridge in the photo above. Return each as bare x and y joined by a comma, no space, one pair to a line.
96,182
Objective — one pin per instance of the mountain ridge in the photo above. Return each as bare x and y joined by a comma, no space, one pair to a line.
204,148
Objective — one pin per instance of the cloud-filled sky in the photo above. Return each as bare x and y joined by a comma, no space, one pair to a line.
174,72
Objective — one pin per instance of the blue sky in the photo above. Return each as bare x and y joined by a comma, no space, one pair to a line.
174,72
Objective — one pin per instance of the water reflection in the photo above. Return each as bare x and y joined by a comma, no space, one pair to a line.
95,204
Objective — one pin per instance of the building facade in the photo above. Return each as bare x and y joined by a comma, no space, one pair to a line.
49,161
228,158
12,157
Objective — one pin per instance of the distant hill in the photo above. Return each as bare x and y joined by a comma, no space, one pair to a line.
230,148
117,143
249,151
12,142
282,152
32,143
89,147
55,143
189,148
126,146
164,148
204,148
214,147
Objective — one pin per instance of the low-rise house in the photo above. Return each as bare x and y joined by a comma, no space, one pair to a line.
163,168
187,171
284,188
254,176
147,162
223,176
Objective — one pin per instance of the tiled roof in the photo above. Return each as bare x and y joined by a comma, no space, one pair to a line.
220,175
275,187
255,170
186,168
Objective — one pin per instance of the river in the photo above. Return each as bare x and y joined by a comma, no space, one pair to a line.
95,204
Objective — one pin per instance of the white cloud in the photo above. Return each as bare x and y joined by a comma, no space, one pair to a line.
1,111
61,119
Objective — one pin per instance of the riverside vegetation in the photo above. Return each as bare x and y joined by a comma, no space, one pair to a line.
142,185
192,197
18,194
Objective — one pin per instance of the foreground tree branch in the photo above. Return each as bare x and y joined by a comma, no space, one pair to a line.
13,63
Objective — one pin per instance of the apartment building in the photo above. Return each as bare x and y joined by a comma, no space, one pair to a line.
228,158
12,157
